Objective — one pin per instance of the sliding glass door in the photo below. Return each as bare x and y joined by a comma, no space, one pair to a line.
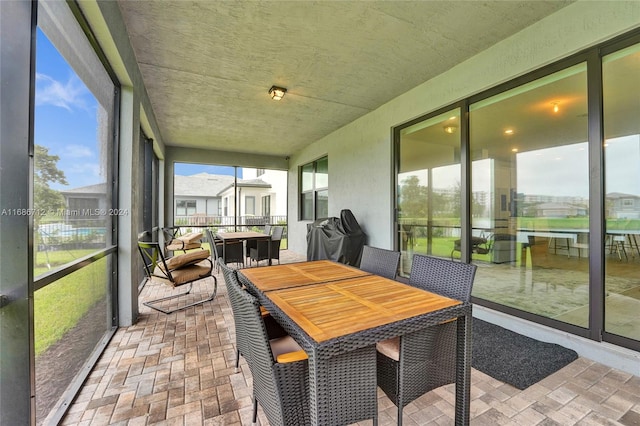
553,194
621,88
429,189
530,168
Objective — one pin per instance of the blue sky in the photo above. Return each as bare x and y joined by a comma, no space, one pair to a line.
65,118
192,169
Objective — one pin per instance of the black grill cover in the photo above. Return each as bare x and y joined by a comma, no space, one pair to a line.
338,239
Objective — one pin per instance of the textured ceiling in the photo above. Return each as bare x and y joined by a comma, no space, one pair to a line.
208,65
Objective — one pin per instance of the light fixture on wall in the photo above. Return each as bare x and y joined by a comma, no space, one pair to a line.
556,108
277,93
449,129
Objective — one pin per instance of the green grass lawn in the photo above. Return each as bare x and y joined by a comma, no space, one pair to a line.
59,306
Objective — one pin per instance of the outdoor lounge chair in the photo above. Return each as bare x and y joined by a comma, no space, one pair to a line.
416,363
279,367
380,261
176,271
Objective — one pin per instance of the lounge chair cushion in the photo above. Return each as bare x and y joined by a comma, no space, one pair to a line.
192,237
181,245
184,275
182,260
185,242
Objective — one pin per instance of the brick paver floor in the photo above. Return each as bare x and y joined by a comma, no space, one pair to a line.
178,369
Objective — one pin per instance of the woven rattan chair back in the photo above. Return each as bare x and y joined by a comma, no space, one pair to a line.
242,342
281,389
380,261
261,251
426,359
215,247
443,276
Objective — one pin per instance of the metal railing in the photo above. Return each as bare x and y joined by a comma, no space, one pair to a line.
228,222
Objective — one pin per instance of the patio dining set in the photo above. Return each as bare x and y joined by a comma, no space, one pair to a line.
320,336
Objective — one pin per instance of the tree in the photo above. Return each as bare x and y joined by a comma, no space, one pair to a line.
46,171
414,197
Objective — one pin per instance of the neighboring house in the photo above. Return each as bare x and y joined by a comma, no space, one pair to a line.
623,206
199,195
85,203
559,210
207,199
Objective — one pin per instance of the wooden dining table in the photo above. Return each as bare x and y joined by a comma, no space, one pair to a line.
297,274
337,313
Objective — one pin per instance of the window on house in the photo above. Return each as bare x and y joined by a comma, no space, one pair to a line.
266,205
185,207
314,184
250,205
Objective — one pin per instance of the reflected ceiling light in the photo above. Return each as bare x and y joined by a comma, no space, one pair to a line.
508,132
449,129
277,93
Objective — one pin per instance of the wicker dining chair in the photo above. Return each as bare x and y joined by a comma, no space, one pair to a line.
274,330
249,244
176,271
215,247
380,261
230,251
413,364
262,252
279,367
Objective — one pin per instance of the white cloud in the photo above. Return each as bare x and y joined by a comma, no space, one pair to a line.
67,95
77,151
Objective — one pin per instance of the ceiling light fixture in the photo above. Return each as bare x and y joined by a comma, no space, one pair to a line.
508,132
449,129
556,108
277,93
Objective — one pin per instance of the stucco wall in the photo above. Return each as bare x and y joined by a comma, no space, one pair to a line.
360,153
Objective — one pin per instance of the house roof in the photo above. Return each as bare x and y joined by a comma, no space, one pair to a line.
99,188
249,183
557,206
201,184
210,185
618,195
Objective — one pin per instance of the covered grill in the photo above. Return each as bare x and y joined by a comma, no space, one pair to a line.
338,239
